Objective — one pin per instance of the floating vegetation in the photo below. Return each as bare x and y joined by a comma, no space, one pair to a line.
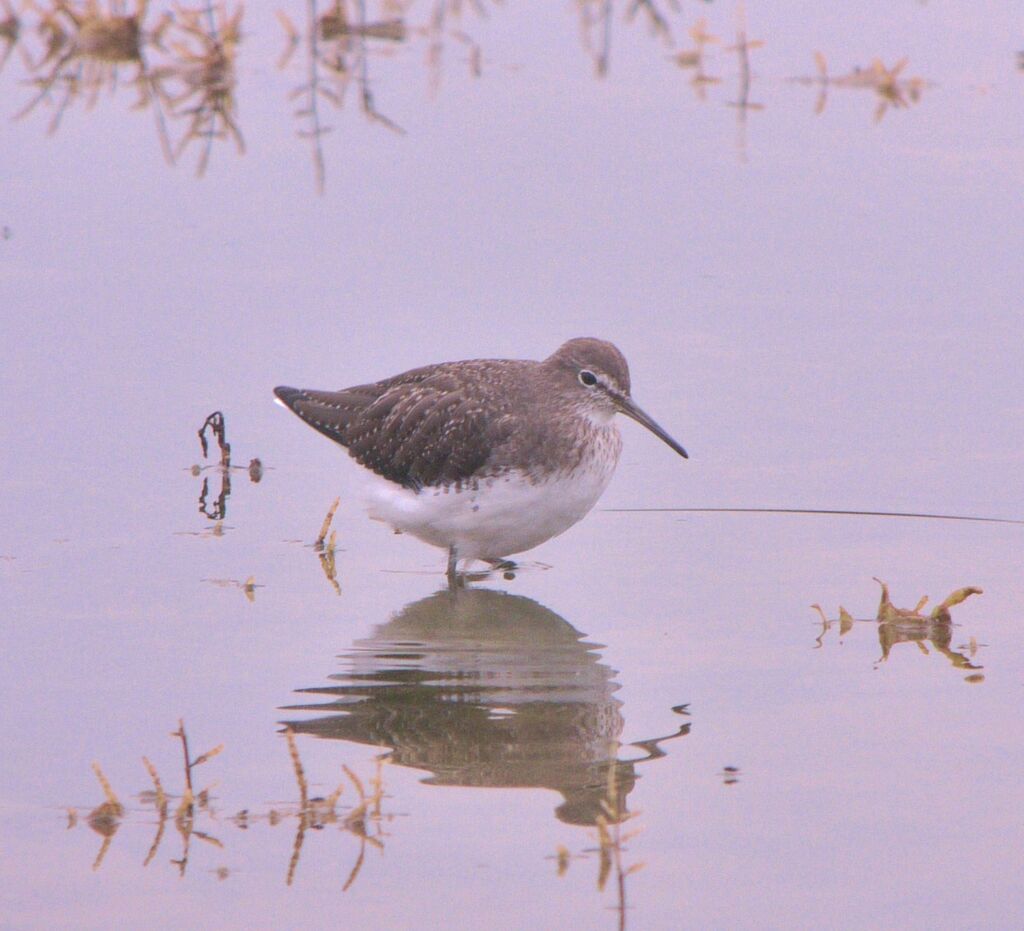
194,808
217,508
248,587
911,625
892,89
694,58
326,550
105,818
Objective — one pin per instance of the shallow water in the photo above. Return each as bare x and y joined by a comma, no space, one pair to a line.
823,308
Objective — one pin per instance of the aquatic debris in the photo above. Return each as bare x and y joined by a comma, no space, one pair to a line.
217,510
105,818
318,812
911,625
887,82
326,525
887,612
364,820
216,424
695,57
326,551
248,587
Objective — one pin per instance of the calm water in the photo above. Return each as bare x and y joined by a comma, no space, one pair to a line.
818,286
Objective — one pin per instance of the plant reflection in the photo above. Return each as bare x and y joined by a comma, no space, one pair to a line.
363,820
10,33
482,688
911,625
216,508
596,17
86,46
182,61
338,45
893,90
198,82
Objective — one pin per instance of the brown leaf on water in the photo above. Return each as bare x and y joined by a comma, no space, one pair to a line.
941,612
886,610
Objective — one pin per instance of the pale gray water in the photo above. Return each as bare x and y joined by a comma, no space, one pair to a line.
825,312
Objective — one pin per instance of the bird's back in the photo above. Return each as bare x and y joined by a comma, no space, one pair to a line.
436,425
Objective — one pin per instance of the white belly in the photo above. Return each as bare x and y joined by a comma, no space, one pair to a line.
498,517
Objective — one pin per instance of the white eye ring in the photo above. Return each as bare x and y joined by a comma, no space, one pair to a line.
587,378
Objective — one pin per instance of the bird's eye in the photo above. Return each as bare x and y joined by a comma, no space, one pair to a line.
588,378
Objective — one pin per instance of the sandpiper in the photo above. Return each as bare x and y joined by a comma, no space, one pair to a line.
487,457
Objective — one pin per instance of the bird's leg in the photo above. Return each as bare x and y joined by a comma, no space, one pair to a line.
453,573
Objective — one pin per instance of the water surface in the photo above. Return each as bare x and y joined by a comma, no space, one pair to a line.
818,288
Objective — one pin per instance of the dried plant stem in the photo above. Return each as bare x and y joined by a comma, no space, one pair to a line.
327,523
180,732
114,804
300,773
161,796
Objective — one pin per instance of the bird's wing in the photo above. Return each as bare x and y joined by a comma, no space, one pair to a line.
418,429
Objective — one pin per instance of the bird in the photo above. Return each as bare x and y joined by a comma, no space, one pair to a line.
485,458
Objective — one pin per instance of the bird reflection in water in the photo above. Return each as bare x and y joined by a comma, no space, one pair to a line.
487,689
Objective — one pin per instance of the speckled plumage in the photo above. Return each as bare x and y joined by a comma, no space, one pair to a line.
466,428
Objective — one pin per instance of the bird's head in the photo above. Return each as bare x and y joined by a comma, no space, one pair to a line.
600,377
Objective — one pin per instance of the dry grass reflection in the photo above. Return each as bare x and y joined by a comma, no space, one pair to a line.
325,547
611,844
892,89
338,45
10,33
911,625
183,60
85,48
197,81
194,812
182,66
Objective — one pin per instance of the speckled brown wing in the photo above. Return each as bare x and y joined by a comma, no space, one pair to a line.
418,429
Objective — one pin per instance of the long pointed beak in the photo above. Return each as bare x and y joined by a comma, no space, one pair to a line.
627,406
